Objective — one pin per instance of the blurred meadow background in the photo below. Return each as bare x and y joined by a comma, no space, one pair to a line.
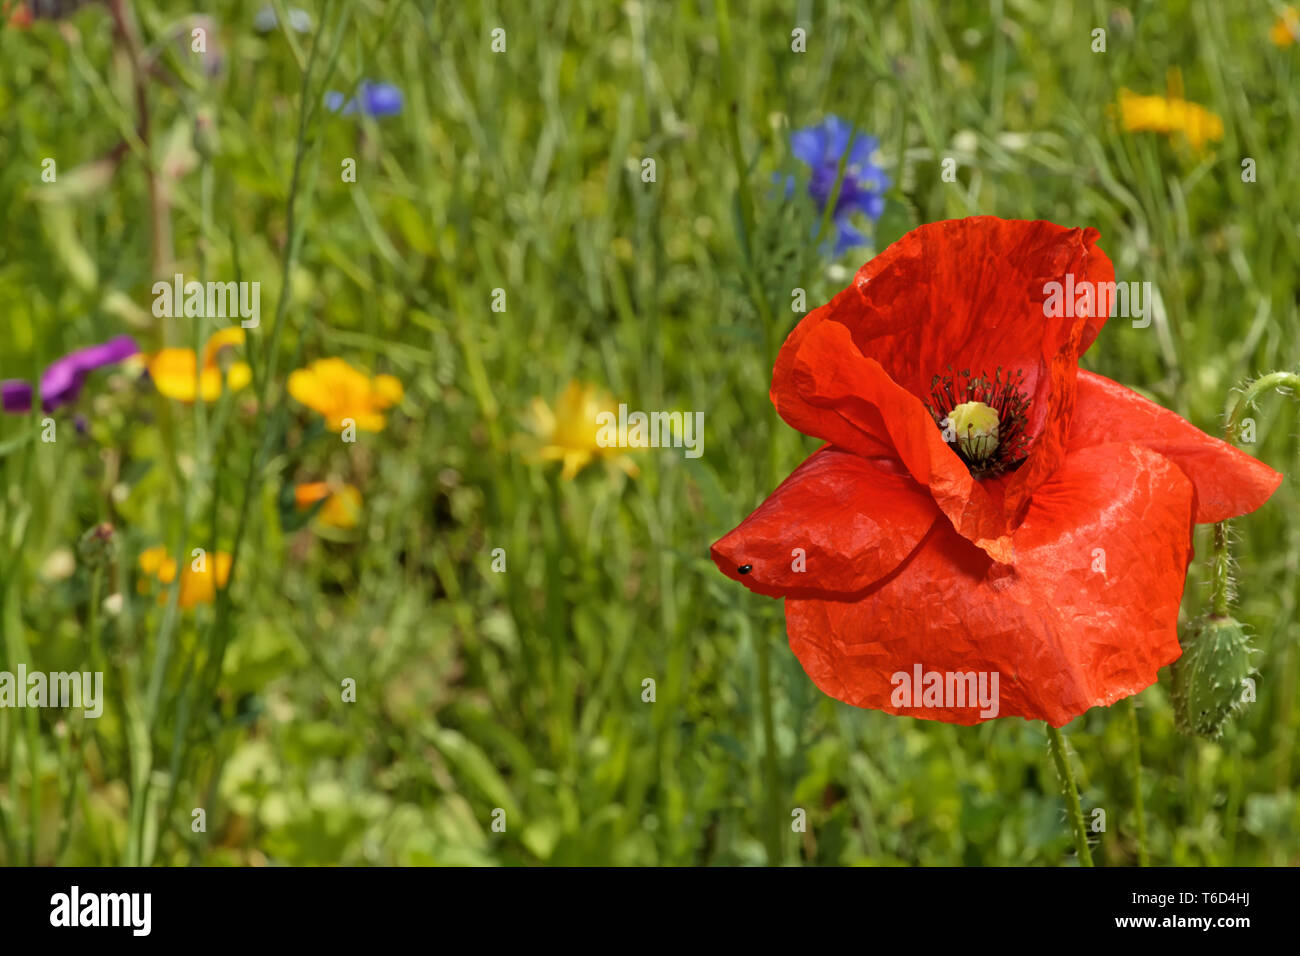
500,716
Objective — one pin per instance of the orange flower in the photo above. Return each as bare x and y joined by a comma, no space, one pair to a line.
175,375
1163,115
342,508
1169,114
1286,28
341,393
199,581
20,18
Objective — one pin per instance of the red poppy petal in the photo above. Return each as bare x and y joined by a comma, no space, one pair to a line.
967,295
970,293
855,520
831,374
1054,412
1228,481
866,437
1087,615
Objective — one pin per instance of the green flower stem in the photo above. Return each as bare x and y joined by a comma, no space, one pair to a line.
556,625
1135,730
1221,583
1221,580
744,195
160,233
771,775
1282,381
1071,794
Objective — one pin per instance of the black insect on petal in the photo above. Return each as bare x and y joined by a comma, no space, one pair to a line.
744,569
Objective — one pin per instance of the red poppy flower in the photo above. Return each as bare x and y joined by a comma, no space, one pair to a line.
982,504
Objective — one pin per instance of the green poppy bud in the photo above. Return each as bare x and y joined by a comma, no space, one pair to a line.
1208,678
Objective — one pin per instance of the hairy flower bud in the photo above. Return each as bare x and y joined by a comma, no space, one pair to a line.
1208,677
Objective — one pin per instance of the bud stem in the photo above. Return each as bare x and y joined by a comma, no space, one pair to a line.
1282,381
1221,584
1071,794
1136,751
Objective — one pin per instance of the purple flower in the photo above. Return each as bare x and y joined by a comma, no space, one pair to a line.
862,190
373,99
62,381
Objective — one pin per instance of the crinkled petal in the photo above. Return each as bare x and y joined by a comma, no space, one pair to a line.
967,295
831,374
867,436
1087,615
1228,482
1054,410
838,524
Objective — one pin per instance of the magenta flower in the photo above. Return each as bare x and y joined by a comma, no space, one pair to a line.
62,381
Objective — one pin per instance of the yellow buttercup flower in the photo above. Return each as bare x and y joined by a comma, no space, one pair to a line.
173,370
338,391
342,508
1286,28
568,432
197,586
1159,114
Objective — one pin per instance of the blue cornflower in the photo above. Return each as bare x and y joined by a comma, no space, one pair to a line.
373,99
864,183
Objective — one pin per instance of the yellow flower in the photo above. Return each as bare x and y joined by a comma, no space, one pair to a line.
1286,28
568,432
173,370
342,508
197,586
1159,114
338,391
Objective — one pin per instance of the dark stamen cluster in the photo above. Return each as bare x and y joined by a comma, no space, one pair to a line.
1006,396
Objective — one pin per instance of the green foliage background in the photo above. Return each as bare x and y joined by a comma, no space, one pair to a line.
521,171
